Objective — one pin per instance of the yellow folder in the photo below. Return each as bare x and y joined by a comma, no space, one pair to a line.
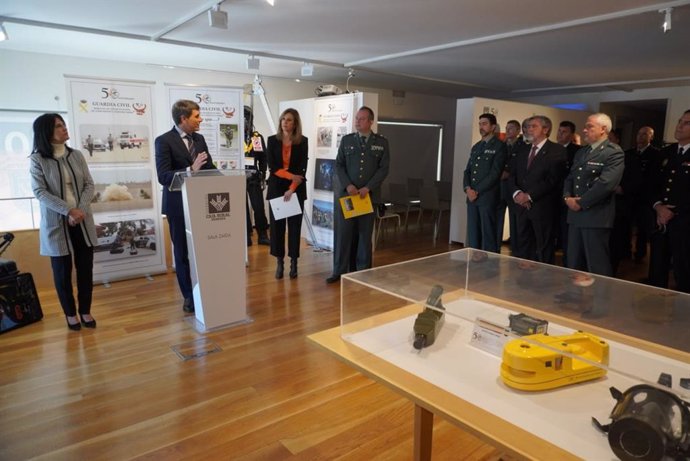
353,206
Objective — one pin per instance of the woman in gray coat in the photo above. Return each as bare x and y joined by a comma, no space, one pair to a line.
62,184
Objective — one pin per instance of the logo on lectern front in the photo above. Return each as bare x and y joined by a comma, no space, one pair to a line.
218,206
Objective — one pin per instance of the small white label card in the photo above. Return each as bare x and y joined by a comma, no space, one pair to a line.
490,337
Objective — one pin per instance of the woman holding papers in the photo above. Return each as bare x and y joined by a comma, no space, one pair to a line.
287,153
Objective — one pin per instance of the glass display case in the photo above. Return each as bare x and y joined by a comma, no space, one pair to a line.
573,337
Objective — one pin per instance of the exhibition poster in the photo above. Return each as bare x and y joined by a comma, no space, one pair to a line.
333,119
223,121
112,126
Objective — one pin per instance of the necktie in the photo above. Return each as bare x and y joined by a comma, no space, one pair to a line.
532,154
680,151
363,141
190,146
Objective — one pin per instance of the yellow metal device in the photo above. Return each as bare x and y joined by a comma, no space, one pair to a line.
528,366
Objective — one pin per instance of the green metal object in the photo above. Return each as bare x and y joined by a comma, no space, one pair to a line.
429,321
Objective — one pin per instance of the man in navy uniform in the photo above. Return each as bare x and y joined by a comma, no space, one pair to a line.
588,193
672,206
180,149
481,183
360,166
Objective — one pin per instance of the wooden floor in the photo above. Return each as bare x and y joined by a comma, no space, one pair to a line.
121,392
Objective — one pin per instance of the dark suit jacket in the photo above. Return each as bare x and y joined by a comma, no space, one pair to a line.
571,149
632,185
543,180
172,156
299,157
672,182
594,177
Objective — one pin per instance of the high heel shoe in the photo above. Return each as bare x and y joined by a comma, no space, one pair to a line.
73,326
87,323
293,268
280,268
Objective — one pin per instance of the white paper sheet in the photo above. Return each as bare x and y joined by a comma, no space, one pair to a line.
282,209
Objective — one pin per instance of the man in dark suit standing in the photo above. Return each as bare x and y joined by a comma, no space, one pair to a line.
672,206
481,184
589,194
361,166
566,138
625,193
644,218
181,149
536,180
514,143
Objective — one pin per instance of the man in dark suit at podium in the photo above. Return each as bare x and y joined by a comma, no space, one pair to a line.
181,149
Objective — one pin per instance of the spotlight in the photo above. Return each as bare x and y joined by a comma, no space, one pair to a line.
307,69
666,26
271,2
3,33
217,18
253,63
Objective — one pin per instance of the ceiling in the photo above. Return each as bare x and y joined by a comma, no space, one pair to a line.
455,48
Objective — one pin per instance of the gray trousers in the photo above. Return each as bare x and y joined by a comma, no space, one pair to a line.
347,232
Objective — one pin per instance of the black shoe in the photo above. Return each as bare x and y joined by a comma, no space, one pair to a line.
293,268
73,326
333,279
280,268
263,238
87,323
188,305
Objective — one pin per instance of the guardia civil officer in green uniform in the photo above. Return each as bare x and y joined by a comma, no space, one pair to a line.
360,166
481,183
589,194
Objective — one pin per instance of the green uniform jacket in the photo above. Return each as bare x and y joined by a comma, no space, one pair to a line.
594,177
484,168
362,167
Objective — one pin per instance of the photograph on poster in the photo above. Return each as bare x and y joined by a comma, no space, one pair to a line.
229,138
342,131
322,214
121,189
226,164
113,143
323,179
324,136
125,239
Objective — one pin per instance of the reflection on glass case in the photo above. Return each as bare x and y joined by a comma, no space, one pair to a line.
537,345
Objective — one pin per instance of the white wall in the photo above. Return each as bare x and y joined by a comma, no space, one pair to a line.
678,101
36,81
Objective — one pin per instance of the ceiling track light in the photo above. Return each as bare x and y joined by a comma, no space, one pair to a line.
217,18
666,25
3,33
307,69
253,63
